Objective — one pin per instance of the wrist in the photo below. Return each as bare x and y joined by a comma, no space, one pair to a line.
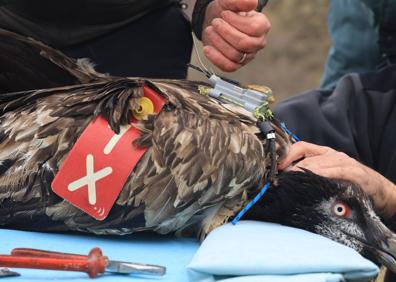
198,16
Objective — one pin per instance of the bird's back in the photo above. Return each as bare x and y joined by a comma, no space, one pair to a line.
202,159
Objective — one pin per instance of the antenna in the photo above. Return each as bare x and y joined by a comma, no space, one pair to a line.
203,68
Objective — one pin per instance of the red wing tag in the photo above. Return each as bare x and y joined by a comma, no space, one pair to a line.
97,167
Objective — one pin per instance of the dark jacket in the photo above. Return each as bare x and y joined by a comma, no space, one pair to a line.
358,118
65,23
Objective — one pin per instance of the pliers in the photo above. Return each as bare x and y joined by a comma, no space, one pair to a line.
93,264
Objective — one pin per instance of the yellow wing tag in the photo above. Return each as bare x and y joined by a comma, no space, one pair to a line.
146,107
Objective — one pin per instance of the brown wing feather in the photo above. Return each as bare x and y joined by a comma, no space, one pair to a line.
39,130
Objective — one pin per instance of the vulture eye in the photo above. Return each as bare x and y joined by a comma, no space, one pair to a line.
341,210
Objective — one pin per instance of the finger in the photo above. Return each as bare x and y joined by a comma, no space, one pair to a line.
218,59
348,173
238,5
255,25
324,161
330,159
301,150
237,39
212,38
332,172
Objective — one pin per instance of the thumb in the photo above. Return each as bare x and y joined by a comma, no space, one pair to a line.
238,5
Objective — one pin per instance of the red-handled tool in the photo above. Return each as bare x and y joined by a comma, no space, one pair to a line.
93,264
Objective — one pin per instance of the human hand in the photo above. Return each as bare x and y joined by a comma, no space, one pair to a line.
233,33
330,163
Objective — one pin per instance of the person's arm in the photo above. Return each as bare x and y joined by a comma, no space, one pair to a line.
330,163
232,31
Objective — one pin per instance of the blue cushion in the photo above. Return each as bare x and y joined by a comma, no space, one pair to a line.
258,251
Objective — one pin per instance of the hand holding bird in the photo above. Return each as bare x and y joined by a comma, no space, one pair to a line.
328,162
233,33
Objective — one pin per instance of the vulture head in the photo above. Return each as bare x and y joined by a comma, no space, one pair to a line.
338,210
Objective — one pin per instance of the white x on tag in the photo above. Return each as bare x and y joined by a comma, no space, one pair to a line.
90,179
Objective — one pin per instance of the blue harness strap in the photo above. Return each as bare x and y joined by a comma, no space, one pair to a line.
251,203
266,185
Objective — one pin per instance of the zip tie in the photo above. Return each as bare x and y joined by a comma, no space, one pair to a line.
291,134
251,203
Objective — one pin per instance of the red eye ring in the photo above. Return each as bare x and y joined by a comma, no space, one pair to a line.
341,210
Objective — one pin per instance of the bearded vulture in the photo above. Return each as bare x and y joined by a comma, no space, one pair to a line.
204,160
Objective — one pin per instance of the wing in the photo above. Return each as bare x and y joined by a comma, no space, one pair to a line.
203,157
27,64
38,129
202,165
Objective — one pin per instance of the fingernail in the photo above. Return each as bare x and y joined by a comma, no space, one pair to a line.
216,22
224,14
206,50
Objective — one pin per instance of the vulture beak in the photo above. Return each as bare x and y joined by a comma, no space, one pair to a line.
379,244
386,254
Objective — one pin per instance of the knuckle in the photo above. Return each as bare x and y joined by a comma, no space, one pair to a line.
301,144
341,173
245,44
223,31
342,156
255,26
337,156
230,67
361,171
215,22
235,55
354,162
267,24
328,149
262,43
208,31
346,159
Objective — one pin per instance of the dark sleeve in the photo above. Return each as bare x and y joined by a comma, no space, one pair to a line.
198,15
358,118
